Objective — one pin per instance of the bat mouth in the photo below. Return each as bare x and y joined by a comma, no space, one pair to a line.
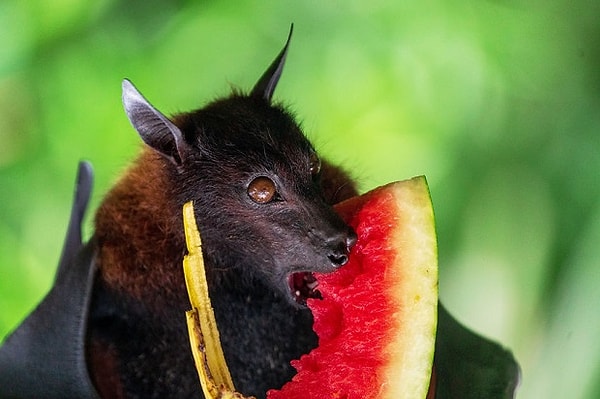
303,285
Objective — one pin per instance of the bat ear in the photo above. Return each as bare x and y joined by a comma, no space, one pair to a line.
154,128
265,86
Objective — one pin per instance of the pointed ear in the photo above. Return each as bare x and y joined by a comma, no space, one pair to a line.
265,86
154,128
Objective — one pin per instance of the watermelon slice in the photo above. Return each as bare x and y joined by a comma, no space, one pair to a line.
377,320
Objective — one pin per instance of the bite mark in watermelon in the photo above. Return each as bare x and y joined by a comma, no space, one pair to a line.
377,320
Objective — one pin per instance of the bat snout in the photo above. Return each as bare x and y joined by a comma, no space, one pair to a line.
339,247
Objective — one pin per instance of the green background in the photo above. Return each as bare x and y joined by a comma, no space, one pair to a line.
496,102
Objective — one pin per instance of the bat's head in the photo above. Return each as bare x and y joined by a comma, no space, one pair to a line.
255,181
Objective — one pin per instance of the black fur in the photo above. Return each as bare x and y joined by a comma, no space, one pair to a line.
295,232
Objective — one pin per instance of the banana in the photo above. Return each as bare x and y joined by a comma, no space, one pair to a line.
205,343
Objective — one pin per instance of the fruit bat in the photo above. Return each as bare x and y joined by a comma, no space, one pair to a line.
113,324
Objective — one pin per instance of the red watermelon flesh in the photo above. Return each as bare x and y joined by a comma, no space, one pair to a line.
377,320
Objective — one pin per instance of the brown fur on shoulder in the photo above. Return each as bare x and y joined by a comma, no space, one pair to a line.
336,184
140,234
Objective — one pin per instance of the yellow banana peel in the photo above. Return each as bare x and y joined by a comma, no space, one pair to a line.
213,372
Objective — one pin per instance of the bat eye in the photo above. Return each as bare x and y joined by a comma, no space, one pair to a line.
315,164
262,190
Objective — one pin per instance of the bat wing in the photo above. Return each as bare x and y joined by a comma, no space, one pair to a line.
469,366
45,356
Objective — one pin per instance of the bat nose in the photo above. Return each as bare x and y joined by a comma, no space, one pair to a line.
340,247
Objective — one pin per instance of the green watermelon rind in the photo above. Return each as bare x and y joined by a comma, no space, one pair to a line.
409,369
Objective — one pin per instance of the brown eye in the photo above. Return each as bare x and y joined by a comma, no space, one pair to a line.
315,164
262,190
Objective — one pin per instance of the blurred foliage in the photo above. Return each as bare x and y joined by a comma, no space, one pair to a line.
497,102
